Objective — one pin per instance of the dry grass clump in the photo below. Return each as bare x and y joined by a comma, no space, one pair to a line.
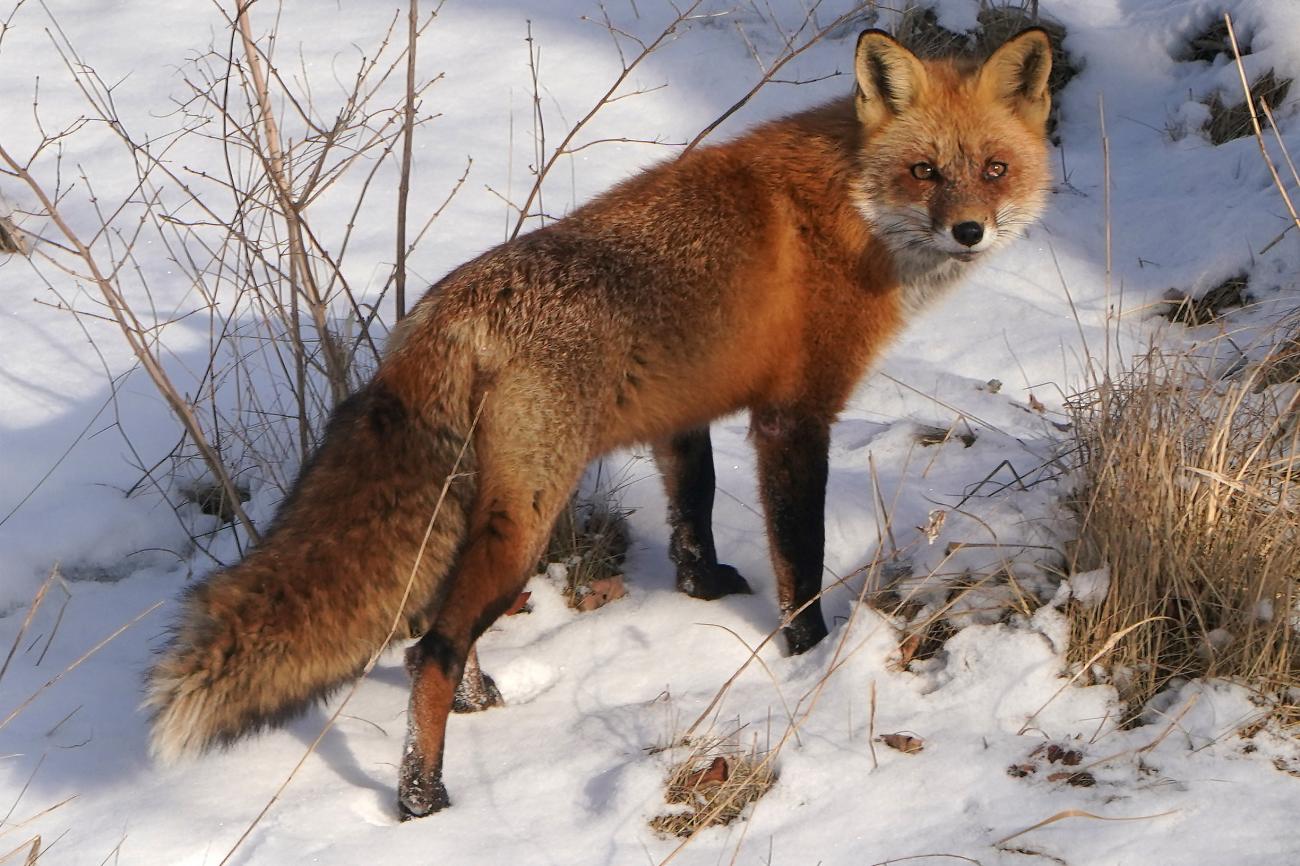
1207,44
1229,122
1190,501
714,785
590,540
1209,307
918,28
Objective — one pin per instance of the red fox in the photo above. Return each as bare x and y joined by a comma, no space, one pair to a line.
765,273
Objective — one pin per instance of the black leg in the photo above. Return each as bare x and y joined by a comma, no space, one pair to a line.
686,462
792,465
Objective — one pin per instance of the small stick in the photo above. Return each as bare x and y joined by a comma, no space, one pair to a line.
27,620
775,67
871,729
404,186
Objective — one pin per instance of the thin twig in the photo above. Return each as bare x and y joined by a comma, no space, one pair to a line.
1078,813
404,184
133,332
72,667
278,173
31,613
563,149
790,54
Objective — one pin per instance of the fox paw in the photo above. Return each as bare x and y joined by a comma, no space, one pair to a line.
419,801
711,580
419,793
475,694
805,632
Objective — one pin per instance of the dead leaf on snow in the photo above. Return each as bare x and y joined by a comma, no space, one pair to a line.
905,743
1078,780
601,592
716,773
908,649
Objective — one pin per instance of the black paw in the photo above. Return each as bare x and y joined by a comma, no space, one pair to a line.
710,581
422,803
420,791
805,631
475,694
417,797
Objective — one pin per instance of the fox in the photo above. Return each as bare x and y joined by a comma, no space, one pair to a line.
763,274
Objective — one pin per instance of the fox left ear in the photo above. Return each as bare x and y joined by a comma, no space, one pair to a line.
1017,74
889,78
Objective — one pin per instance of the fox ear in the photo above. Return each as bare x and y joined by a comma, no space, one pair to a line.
1017,74
889,78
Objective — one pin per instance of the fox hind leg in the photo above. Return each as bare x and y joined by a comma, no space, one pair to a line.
686,462
510,524
476,691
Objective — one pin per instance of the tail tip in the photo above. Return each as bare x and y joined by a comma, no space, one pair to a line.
177,730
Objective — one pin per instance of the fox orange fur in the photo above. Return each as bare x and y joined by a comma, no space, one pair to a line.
762,274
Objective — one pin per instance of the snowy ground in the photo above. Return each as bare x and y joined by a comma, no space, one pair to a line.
566,774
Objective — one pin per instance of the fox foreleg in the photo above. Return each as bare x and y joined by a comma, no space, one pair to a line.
793,454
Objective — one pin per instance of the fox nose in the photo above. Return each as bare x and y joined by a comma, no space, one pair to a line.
968,234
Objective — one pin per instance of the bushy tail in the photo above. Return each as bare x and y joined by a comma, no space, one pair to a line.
301,615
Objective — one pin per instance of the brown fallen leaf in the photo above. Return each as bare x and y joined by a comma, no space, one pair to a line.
1061,755
520,603
601,592
908,649
1036,404
716,773
1078,780
905,743
1019,771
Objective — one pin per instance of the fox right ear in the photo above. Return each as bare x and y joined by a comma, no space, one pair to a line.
889,78
1017,75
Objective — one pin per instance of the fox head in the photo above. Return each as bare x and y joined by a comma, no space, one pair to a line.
954,155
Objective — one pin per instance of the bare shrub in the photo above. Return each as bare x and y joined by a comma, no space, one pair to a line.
259,235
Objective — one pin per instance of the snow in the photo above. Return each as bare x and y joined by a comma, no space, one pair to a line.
567,772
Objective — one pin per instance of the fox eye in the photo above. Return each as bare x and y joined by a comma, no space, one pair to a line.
924,171
994,170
